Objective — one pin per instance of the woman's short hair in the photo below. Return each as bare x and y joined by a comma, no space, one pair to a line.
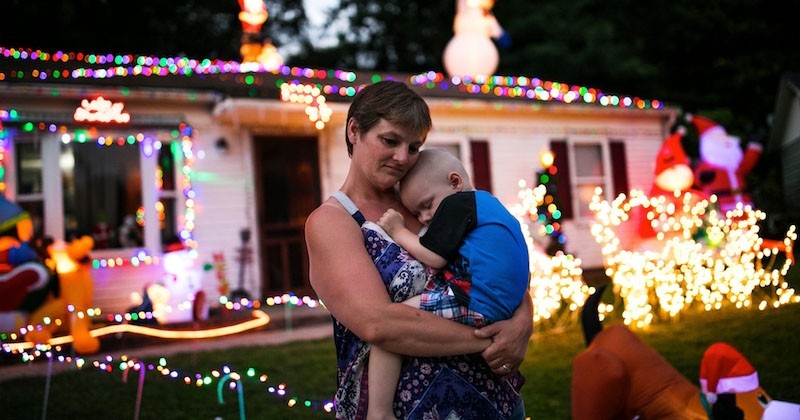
392,101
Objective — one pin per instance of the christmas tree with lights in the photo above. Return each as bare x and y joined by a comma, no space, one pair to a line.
548,215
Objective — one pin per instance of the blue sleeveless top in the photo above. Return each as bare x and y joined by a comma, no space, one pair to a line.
457,387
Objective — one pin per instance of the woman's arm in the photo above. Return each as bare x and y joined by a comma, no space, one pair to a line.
510,338
345,279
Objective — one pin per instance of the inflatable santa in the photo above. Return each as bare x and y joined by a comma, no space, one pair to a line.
724,165
673,180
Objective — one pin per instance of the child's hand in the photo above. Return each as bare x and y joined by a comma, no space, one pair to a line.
391,221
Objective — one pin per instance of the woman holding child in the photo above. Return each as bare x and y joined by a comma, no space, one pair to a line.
450,370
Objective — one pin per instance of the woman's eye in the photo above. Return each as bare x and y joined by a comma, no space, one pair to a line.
413,149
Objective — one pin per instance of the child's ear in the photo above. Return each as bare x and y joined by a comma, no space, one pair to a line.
455,180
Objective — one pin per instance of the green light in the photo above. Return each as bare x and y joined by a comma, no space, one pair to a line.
28,126
544,179
557,214
249,79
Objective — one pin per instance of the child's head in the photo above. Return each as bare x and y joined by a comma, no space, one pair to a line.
436,175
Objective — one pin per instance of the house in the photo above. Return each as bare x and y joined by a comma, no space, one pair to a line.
229,159
786,138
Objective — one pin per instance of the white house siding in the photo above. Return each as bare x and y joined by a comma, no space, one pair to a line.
517,133
224,183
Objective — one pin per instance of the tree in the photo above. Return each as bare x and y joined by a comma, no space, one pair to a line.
193,28
407,36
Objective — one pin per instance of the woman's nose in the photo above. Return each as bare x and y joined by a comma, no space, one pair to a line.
401,155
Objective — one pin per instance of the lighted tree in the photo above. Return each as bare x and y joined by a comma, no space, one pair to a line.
548,215
557,288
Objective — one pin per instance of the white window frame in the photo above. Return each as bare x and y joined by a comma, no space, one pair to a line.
52,195
606,181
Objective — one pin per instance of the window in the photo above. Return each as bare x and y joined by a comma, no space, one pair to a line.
85,188
102,191
591,169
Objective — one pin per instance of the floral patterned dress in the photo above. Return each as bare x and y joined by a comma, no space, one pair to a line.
458,387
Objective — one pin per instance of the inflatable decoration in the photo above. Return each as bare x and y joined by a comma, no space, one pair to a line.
178,296
471,51
39,290
71,261
724,165
254,48
618,376
25,282
673,180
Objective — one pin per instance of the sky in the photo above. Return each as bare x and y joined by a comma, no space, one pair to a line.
315,10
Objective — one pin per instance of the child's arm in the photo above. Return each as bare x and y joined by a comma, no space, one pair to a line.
392,223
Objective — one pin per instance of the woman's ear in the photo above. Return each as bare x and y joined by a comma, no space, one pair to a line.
352,130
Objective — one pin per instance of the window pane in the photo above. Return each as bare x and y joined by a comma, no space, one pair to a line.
102,193
29,167
588,160
166,183
585,194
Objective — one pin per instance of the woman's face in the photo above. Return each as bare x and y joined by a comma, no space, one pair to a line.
387,151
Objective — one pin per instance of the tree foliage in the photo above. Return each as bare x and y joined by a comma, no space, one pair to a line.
720,58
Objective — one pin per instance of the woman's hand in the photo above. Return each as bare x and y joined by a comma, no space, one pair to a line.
510,339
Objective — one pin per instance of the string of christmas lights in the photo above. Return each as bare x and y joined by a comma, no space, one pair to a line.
217,377
726,266
286,300
150,66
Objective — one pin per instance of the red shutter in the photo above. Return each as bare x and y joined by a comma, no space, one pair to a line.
619,168
482,170
563,184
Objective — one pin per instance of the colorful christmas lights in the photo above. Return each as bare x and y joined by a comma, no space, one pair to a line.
149,66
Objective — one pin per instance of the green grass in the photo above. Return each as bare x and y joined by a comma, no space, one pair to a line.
767,338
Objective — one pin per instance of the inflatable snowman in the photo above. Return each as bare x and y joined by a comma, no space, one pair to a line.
471,51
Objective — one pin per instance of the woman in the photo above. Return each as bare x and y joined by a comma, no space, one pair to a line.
452,369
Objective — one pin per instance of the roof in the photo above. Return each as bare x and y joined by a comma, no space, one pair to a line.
230,79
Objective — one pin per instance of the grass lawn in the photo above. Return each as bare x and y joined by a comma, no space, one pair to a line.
767,338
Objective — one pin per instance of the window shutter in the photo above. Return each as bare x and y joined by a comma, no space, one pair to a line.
563,182
482,171
619,168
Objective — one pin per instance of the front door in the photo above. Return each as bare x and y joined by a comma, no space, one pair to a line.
289,189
